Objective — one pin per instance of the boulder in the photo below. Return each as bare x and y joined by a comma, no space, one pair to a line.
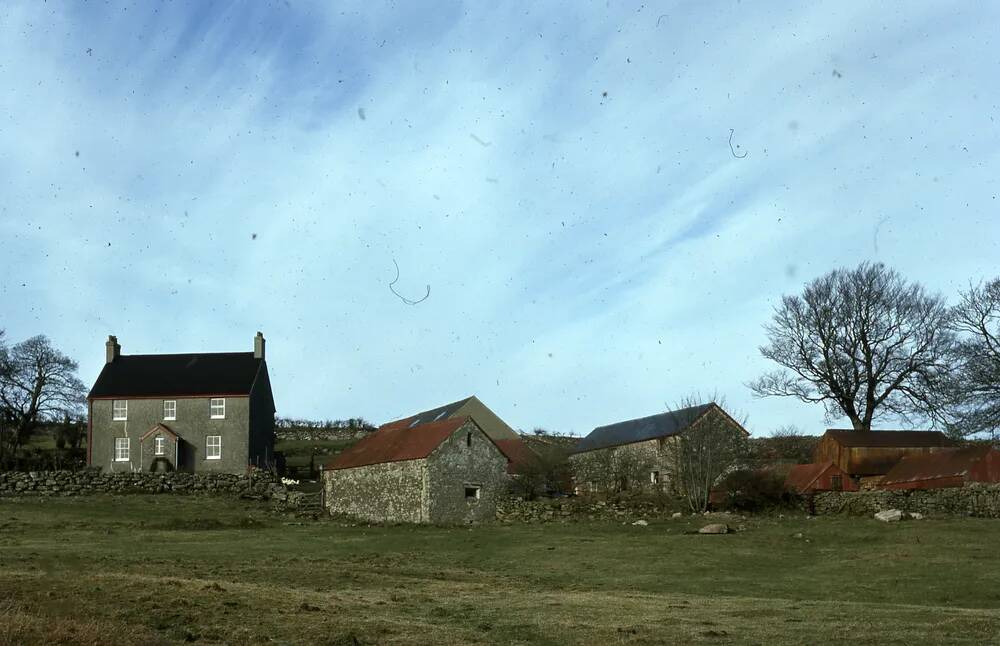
677,514
889,516
915,515
640,523
714,528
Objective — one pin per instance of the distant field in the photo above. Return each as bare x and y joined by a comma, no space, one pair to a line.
161,569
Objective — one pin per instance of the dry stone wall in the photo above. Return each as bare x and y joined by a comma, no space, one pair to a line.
973,500
262,485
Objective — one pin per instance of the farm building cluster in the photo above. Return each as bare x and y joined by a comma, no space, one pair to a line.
214,412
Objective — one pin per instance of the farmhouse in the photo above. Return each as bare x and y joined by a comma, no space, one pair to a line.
863,454
445,471
810,478
949,468
519,455
187,412
638,452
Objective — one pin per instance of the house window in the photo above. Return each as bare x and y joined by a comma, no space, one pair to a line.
654,477
159,445
837,483
471,492
121,449
169,409
213,447
217,408
119,410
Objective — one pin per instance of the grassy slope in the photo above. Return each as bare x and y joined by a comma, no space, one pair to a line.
148,569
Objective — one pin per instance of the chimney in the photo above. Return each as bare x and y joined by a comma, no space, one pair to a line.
258,346
112,349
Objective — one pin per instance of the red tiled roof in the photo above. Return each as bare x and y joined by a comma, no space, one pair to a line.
942,464
397,443
890,439
520,456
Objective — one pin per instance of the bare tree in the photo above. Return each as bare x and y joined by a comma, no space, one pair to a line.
705,450
37,383
865,343
974,391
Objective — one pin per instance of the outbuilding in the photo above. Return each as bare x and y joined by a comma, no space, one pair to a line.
448,471
811,478
863,454
952,468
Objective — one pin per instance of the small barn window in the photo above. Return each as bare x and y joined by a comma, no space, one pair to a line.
654,477
468,439
159,445
471,492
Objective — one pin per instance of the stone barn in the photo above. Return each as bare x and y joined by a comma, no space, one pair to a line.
520,457
867,454
951,468
447,472
638,453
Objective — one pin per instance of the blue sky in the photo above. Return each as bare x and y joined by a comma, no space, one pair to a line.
183,174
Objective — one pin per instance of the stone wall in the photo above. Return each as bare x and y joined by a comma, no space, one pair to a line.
262,485
309,434
972,500
625,467
570,510
468,458
390,492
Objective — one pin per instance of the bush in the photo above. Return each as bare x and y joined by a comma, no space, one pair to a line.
753,491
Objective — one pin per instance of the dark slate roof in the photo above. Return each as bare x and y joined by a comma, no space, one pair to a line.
397,444
428,416
890,439
155,375
639,430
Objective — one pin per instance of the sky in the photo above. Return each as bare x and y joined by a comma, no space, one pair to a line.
605,200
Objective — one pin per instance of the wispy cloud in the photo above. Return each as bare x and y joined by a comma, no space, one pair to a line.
183,174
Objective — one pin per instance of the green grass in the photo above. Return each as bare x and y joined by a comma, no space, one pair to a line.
166,569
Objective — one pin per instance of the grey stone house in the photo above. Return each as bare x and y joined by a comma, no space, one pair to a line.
202,412
639,452
448,471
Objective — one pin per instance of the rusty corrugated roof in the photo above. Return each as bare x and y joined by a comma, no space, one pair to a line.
800,476
941,464
520,456
397,444
889,439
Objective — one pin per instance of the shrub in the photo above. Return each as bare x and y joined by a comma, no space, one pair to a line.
753,491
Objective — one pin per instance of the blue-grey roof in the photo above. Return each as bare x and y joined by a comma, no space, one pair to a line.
639,430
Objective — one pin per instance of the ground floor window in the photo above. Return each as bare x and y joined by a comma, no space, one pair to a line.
654,477
472,492
121,449
213,447
159,445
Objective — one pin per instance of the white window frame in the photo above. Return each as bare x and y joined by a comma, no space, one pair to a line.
173,409
159,445
213,404
119,413
122,452
210,445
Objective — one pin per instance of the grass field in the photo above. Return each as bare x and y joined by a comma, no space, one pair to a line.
165,569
